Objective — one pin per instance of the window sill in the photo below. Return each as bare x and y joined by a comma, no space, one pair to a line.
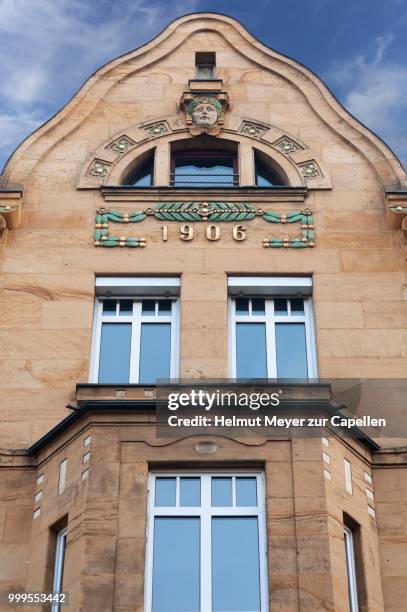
129,193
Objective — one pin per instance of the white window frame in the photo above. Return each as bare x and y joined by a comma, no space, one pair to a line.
205,512
136,319
59,563
351,568
270,320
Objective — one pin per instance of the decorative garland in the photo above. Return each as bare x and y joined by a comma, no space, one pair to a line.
213,212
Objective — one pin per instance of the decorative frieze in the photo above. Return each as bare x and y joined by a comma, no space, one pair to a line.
255,130
310,170
157,129
211,212
122,145
287,146
99,168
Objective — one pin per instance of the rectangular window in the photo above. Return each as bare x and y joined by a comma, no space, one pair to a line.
206,544
272,337
59,566
350,556
135,340
205,65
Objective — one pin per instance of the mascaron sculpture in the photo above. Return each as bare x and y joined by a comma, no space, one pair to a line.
204,113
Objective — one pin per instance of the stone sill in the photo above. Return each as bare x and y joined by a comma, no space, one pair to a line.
148,393
205,85
124,193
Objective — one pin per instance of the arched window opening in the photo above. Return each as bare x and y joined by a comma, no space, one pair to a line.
204,165
142,174
266,174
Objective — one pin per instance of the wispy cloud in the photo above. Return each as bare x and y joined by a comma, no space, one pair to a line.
373,88
49,48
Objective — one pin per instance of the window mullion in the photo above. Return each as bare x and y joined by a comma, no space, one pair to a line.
135,344
206,544
271,340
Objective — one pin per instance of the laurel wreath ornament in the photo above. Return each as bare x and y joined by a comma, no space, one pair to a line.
204,211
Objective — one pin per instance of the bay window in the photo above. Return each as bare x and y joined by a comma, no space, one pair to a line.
206,543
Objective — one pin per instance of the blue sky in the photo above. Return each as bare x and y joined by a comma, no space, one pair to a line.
49,48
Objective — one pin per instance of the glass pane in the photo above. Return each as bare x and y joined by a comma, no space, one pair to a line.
291,350
109,307
235,564
251,350
280,306
242,306
205,72
176,564
190,493
198,171
155,352
114,360
246,492
148,307
164,308
258,306
222,492
297,306
126,307
165,491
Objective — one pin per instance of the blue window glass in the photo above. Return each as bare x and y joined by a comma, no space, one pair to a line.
280,307
258,306
222,492
165,492
114,360
190,492
126,307
235,564
297,306
155,352
148,308
242,306
164,308
176,564
251,350
109,307
291,350
246,491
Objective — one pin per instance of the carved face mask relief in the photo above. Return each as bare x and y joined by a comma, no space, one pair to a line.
205,115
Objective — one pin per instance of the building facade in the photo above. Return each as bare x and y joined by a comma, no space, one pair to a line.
203,208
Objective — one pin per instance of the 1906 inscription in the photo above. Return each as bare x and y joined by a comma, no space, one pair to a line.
212,232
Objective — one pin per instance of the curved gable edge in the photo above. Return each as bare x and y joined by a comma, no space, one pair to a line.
382,159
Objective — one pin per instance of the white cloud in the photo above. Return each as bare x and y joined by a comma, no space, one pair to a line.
50,47
374,90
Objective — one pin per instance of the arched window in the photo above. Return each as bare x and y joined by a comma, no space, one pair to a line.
198,165
142,174
266,173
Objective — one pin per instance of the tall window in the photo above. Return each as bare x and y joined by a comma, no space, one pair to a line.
204,169
349,539
206,544
205,65
135,340
272,336
59,566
